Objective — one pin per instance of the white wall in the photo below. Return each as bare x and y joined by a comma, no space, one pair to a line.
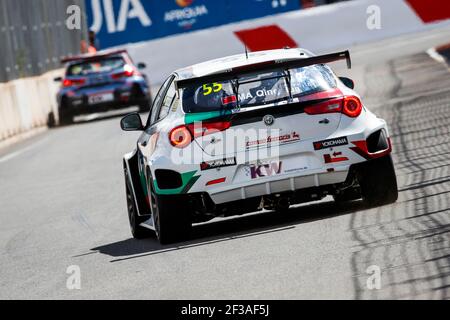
25,103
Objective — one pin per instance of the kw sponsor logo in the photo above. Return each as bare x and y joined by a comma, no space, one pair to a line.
265,170
319,145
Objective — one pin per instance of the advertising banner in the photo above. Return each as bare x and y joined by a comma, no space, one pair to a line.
119,22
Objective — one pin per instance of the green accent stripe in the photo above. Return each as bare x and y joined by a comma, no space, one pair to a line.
188,179
194,117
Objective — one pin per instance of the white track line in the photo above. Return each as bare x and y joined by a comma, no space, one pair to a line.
19,152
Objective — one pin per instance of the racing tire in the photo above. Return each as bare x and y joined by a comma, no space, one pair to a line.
64,113
135,220
65,118
172,219
51,122
378,182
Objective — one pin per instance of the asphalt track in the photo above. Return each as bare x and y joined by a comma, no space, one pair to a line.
62,203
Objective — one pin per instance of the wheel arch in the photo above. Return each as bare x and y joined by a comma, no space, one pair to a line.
131,166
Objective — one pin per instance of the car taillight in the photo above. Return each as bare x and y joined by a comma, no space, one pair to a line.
182,136
73,82
128,72
350,106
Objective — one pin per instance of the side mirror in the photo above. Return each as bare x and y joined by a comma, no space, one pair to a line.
131,122
141,65
58,79
348,82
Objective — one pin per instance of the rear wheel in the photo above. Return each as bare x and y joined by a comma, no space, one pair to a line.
172,219
51,122
378,182
64,113
65,117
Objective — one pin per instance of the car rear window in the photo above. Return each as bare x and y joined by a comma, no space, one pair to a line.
103,65
258,89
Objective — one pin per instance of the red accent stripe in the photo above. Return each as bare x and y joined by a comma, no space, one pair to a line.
431,10
266,38
216,181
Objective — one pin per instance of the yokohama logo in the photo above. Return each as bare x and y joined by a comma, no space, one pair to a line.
330,143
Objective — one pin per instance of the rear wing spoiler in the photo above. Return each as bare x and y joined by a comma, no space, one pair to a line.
266,66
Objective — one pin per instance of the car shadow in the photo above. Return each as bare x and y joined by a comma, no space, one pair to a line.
230,229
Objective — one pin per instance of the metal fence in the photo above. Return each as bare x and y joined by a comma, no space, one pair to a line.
34,36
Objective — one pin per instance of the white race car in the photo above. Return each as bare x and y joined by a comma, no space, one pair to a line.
249,132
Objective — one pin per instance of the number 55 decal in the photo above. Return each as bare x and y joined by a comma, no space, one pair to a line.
214,87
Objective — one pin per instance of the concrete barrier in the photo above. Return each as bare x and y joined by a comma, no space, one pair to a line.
26,103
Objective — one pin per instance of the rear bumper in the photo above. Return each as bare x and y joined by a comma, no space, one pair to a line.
293,183
301,165
124,96
82,106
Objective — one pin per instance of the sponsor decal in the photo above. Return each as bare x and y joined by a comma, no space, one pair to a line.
187,15
229,100
282,139
336,142
335,157
218,164
264,169
295,169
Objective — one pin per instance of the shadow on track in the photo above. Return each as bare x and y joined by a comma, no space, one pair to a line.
410,240
227,230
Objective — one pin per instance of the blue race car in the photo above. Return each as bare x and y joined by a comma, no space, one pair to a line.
102,81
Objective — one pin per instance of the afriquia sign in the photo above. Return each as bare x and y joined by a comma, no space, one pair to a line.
126,21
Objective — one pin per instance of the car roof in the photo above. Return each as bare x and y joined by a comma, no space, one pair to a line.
239,60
